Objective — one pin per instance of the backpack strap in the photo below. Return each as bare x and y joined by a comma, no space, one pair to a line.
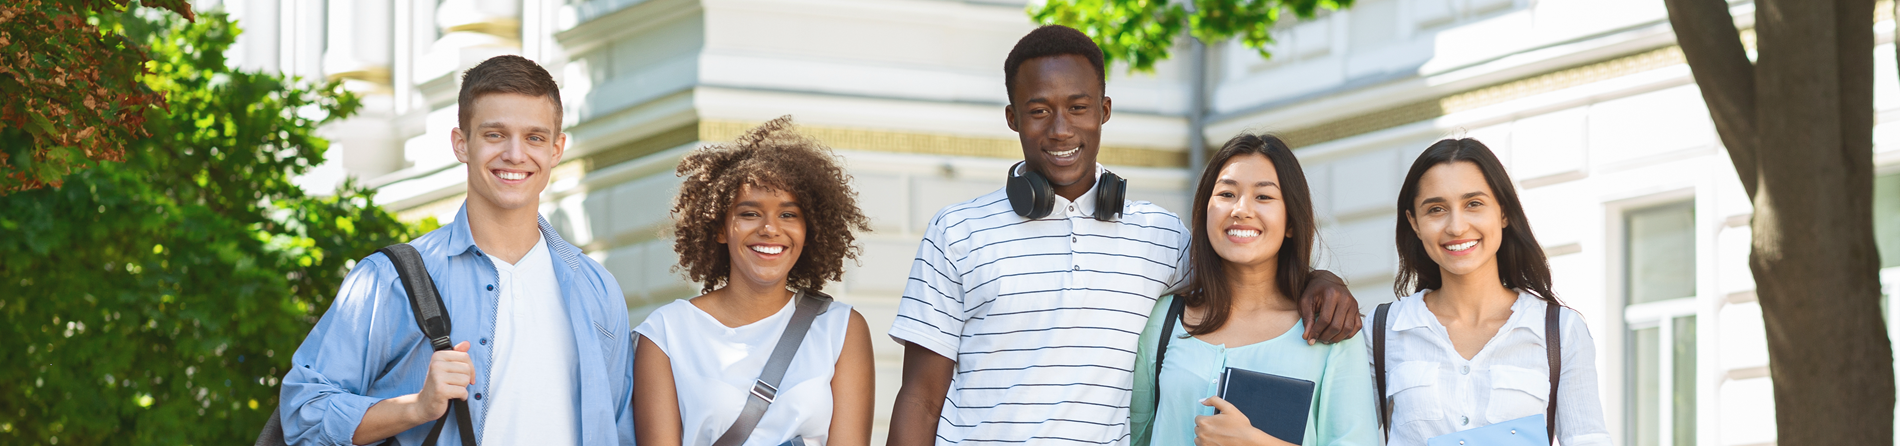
433,318
1167,332
1378,367
1553,347
765,389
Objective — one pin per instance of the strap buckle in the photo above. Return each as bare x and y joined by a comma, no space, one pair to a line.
764,391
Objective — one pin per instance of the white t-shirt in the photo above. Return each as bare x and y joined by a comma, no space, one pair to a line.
1042,317
1436,391
714,367
534,397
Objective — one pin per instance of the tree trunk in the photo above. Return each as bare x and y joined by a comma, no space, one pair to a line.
1799,126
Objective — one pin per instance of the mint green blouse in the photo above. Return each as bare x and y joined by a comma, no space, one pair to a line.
1343,410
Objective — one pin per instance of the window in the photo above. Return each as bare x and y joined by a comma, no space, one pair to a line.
1659,270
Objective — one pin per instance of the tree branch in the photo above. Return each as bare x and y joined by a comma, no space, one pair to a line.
1713,47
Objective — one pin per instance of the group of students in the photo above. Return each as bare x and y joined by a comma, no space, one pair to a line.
1052,311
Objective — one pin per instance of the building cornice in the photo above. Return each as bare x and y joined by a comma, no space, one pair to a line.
587,36
1394,116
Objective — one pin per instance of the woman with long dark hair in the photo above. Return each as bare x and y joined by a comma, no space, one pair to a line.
1479,338
1249,257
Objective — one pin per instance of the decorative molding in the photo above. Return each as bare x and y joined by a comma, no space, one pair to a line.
624,20
375,74
503,27
1490,95
942,144
636,149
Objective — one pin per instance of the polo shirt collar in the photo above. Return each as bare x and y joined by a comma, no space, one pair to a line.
1085,203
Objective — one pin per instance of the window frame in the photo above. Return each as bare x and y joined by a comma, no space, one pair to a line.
1660,315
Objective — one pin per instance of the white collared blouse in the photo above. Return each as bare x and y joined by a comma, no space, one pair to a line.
1435,391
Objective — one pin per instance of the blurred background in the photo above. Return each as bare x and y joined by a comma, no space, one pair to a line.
1590,103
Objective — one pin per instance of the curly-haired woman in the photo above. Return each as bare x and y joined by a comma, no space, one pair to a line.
760,223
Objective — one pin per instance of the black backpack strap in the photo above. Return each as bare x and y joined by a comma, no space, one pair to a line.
1553,347
1167,333
432,317
1378,367
765,389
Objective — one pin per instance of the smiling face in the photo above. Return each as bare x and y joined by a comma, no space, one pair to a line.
1246,215
1057,111
764,235
1458,219
510,143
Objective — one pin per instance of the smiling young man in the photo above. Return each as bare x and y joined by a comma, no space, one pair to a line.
1024,306
542,353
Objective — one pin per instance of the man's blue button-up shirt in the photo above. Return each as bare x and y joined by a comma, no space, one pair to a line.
367,348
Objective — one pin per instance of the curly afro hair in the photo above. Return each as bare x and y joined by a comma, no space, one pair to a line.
774,157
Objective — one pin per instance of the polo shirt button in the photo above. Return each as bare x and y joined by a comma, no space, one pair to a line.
1078,267
478,397
1461,420
1464,370
1071,208
491,287
484,341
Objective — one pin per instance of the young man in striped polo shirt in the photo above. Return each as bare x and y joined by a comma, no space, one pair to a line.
1024,306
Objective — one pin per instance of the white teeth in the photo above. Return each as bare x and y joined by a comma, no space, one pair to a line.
1243,233
1462,246
762,249
1067,153
511,175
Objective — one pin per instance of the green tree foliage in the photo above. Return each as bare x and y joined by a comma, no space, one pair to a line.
73,97
157,300
1142,32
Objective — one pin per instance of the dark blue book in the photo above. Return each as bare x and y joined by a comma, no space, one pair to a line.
1275,404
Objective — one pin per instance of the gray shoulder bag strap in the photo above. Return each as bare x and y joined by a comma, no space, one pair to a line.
431,318
1553,347
1161,348
765,389
1378,367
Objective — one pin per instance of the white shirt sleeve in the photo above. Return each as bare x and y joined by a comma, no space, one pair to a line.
931,313
1183,243
1579,411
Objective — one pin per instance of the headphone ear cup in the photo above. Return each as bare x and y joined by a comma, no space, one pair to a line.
1111,192
1030,194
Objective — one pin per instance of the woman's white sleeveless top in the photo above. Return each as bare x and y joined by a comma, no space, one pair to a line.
714,367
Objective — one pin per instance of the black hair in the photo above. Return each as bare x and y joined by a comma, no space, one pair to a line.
1521,262
1051,40
1206,284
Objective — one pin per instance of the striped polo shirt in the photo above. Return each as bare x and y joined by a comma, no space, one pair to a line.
1041,316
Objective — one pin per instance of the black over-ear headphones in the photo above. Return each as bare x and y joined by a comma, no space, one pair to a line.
1031,196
